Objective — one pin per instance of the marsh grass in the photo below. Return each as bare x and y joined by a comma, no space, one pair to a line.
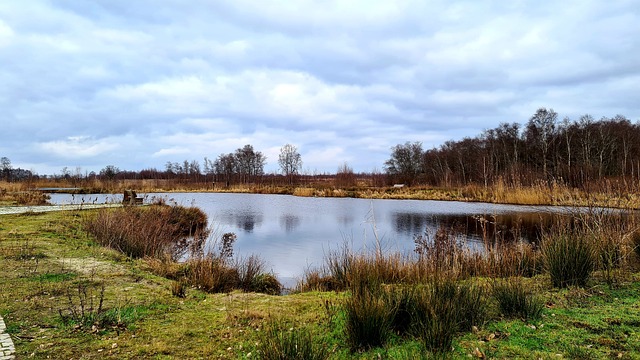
219,272
569,257
612,235
369,317
516,300
634,241
18,194
179,288
441,254
445,307
150,231
434,312
280,340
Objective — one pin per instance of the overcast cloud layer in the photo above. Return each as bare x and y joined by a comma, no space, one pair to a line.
138,83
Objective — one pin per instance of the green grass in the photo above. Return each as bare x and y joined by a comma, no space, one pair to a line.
144,320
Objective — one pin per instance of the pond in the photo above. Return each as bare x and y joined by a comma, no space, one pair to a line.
294,233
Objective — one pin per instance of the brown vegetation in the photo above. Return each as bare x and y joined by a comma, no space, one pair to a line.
163,235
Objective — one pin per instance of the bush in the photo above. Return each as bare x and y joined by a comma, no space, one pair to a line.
515,301
569,258
278,342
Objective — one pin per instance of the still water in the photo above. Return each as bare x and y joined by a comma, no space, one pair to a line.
294,233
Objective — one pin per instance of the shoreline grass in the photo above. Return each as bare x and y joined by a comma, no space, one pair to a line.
555,194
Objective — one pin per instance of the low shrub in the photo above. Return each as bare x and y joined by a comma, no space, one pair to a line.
514,300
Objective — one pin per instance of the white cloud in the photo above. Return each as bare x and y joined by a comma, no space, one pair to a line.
76,147
6,34
168,81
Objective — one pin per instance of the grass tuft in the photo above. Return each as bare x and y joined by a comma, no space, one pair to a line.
514,300
279,341
569,258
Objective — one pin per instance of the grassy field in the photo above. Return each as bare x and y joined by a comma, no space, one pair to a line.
64,296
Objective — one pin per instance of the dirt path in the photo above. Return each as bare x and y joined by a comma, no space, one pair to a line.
7,349
6,210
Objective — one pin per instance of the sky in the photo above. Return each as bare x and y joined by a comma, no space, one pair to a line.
134,84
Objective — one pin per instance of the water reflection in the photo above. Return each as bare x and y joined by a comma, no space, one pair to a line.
289,222
481,227
243,221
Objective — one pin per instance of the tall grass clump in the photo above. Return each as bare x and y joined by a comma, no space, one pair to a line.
634,240
569,257
515,300
368,317
278,341
218,272
150,231
444,308
610,232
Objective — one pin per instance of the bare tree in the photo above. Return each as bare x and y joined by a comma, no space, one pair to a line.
405,163
539,135
250,163
5,168
109,172
345,176
290,161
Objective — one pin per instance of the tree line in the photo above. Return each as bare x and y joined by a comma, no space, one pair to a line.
244,165
9,173
572,152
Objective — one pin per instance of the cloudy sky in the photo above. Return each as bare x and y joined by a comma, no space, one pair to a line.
138,83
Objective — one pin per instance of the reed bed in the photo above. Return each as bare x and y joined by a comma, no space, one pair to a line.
154,231
163,235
